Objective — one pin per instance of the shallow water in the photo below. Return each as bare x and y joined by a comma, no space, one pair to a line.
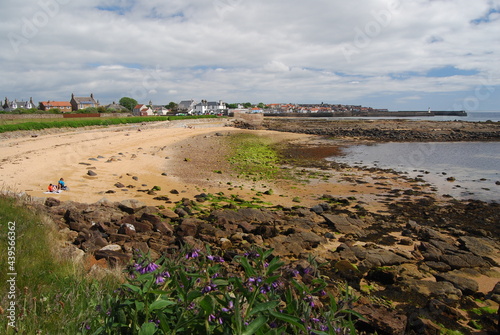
474,165
474,116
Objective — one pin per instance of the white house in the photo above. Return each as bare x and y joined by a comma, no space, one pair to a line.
186,106
9,106
142,110
210,107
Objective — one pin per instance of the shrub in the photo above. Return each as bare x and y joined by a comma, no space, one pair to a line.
201,293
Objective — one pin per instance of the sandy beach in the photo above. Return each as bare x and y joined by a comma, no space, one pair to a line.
180,157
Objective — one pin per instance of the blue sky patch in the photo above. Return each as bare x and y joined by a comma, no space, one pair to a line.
120,10
449,71
487,17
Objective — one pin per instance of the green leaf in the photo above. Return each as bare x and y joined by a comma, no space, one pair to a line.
134,288
255,325
273,266
250,271
160,304
264,307
288,318
193,295
148,329
207,304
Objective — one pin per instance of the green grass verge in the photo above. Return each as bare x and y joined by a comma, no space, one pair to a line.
84,122
48,295
254,158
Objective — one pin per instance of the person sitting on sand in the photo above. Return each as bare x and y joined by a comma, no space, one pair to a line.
52,188
62,185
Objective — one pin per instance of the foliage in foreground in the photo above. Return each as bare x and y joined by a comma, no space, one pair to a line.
51,296
196,293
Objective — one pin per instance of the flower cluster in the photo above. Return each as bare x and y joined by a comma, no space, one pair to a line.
204,293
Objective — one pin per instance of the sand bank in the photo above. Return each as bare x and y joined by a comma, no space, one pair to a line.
178,156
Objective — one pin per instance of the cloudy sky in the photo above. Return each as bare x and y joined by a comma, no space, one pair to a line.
395,54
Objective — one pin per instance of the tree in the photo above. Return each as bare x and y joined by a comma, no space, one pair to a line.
128,103
172,106
247,105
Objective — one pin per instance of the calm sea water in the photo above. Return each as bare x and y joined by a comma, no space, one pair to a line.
474,165
471,116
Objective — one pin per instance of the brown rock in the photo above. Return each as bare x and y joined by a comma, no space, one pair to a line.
381,319
114,258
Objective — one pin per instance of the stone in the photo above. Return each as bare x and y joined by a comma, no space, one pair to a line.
127,229
168,213
119,185
188,227
468,286
52,202
482,247
381,257
346,225
114,258
419,292
131,206
381,320
112,247
91,173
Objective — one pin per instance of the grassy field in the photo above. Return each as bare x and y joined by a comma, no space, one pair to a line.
37,124
47,294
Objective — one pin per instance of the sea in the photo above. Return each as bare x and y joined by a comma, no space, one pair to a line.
463,170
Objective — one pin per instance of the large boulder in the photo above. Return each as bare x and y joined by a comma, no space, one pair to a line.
419,292
114,258
468,286
380,320
188,227
131,206
346,225
482,247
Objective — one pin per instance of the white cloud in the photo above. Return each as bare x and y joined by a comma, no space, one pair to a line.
240,50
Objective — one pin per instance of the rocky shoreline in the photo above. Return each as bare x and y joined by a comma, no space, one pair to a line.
423,267
389,130
419,266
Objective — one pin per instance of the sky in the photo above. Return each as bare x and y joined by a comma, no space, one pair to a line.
394,54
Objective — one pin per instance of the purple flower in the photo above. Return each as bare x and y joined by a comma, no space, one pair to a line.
310,300
213,318
192,254
230,306
252,254
160,279
216,259
151,267
307,270
209,288
265,289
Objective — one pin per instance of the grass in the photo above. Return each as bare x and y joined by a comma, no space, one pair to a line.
84,122
51,295
254,158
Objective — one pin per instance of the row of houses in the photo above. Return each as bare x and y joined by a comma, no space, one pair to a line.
186,106
75,104
319,108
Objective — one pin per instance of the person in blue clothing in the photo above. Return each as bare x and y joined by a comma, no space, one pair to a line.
62,184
